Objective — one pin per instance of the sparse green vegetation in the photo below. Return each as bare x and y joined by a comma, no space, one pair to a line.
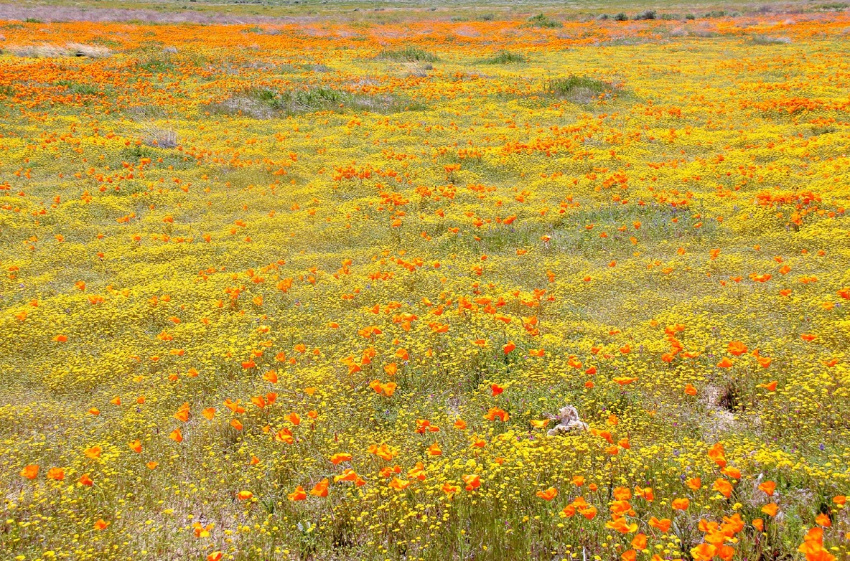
766,40
505,57
578,89
543,21
408,54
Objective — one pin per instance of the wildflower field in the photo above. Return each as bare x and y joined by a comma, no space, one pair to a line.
319,289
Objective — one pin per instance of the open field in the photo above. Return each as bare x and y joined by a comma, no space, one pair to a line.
315,286
386,11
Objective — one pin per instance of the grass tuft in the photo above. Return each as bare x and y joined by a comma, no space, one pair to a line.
55,51
578,89
407,54
505,57
765,40
266,103
543,21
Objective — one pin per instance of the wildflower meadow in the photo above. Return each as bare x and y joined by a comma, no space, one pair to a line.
414,285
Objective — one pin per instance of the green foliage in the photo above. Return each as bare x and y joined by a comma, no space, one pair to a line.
156,65
77,88
544,21
578,89
269,102
765,40
407,54
505,57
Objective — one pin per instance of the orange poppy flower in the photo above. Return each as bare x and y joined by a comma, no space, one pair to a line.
662,525
703,552
736,348
770,509
548,494
340,457
56,474
321,488
768,487
723,487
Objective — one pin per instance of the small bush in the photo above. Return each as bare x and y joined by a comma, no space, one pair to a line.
541,20
408,54
621,17
156,66
648,14
265,103
160,138
578,89
55,51
79,89
505,57
690,17
764,40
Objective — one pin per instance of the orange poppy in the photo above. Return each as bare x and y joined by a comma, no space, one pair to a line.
321,488
548,494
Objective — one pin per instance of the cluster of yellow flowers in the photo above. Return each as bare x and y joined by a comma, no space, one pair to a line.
320,291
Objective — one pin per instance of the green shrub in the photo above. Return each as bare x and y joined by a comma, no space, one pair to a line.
76,88
764,40
505,57
648,14
578,89
408,54
541,20
265,103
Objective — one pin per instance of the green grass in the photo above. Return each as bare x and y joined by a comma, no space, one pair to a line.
77,88
578,89
407,54
764,40
543,21
264,103
505,57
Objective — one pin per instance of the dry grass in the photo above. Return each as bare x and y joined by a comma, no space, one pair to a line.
46,50
160,138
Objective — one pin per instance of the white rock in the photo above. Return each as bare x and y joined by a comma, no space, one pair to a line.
568,421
